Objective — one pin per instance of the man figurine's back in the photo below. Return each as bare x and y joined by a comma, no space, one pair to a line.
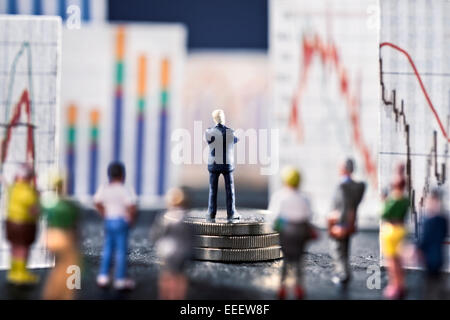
342,221
221,141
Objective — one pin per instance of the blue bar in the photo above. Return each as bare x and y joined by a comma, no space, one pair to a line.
140,153
162,153
63,9
86,9
71,171
117,129
37,7
92,178
12,7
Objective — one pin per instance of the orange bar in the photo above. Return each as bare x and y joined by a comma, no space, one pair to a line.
95,117
142,76
120,43
72,112
165,73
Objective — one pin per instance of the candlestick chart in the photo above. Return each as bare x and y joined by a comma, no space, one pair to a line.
415,98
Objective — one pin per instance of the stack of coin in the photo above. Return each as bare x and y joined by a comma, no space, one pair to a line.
249,239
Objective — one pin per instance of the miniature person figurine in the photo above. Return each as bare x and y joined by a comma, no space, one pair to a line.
62,217
434,232
290,213
117,205
21,224
221,141
342,220
173,240
392,233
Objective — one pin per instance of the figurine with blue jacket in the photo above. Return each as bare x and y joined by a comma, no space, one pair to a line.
430,244
221,141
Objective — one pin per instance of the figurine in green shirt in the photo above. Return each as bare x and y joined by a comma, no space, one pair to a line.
393,232
62,216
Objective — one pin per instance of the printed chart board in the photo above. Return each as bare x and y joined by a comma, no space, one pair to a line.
30,69
121,91
415,105
326,96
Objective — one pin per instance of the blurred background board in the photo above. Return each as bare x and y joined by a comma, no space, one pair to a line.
326,96
233,55
121,98
415,109
237,82
30,70
87,10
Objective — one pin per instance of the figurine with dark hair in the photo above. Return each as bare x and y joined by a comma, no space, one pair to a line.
173,240
342,220
21,224
393,232
117,205
290,214
221,141
430,244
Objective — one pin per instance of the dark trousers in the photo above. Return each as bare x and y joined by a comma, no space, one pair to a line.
340,252
293,240
229,188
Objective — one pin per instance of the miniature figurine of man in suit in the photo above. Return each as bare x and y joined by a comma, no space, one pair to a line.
221,141
342,221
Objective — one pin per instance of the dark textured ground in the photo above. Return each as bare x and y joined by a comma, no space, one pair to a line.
223,281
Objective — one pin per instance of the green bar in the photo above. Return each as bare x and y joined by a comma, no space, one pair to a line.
164,98
94,133
141,104
71,135
119,72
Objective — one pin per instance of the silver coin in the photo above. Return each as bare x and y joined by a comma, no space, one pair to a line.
238,255
237,242
252,222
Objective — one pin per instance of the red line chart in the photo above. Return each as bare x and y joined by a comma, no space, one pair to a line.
422,86
329,56
24,103
400,116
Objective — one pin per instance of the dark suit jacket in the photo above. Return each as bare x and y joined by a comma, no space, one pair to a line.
347,198
221,141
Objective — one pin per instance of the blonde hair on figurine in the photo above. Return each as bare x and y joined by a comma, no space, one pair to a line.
291,177
218,116
57,180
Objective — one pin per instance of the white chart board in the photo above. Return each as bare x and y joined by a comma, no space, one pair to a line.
30,69
142,66
415,106
324,57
